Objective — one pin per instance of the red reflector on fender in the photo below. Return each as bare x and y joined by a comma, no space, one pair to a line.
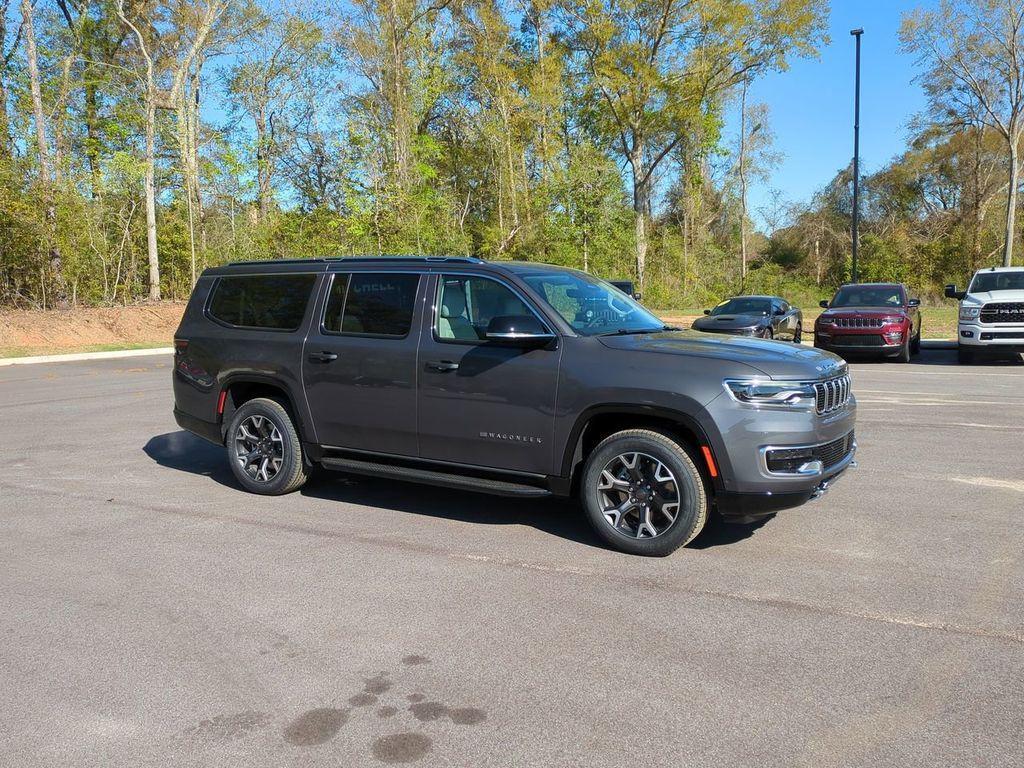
709,460
220,402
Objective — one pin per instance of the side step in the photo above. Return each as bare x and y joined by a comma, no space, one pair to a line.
432,477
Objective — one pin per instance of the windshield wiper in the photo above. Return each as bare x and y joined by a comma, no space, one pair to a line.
632,331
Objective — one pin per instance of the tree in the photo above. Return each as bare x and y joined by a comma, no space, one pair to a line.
265,83
656,68
178,63
973,55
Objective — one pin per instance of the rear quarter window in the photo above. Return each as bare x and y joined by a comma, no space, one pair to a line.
273,302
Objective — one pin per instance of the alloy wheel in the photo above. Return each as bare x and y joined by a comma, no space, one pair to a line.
639,495
259,448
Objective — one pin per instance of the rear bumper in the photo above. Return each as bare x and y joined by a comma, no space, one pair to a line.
208,430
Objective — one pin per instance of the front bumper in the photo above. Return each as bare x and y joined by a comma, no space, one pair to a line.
1005,337
736,507
845,340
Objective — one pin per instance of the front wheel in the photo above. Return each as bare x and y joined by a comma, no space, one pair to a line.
643,494
903,356
264,448
965,356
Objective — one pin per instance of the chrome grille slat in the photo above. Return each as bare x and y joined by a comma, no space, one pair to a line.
1003,312
832,395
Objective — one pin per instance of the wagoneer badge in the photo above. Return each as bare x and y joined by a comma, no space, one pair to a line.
511,438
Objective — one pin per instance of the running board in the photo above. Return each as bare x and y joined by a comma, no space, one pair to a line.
432,477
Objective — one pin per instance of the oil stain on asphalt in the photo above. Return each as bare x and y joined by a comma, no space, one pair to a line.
401,747
318,726
315,726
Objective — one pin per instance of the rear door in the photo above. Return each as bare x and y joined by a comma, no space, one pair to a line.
359,361
482,402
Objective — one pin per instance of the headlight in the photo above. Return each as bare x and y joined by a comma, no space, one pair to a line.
791,395
970,313
892,320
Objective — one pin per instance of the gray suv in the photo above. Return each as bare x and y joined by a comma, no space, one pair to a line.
518,379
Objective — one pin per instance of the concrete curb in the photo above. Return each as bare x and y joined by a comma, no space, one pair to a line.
85,356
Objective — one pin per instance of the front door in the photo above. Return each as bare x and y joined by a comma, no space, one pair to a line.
482,402
359,362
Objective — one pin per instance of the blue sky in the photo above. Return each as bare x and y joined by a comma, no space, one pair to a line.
811,104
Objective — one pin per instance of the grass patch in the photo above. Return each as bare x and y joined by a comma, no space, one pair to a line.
49,350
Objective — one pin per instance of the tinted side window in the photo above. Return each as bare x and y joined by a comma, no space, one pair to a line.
276,302
378,304
468,304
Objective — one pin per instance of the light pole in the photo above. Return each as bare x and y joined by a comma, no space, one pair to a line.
856,153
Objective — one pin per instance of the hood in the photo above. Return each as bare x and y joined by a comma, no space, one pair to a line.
977,299
775,359
728,322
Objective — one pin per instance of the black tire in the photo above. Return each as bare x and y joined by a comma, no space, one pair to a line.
965,356
291,471
768,333
915,345
692,498
903,356
798,336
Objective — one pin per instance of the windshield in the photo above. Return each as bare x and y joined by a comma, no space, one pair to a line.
591,306
743,306
868,296
997,281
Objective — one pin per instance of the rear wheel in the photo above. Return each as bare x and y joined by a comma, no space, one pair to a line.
264,449
643,494
799,335
915,347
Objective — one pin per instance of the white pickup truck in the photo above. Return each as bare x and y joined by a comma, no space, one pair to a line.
991,314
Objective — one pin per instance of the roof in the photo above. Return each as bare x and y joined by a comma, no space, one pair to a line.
1001,269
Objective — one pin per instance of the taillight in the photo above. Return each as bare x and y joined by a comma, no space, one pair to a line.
180,346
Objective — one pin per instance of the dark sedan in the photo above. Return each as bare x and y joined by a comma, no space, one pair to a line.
766,317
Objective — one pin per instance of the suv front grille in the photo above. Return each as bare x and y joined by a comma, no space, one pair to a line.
1003,312
831,395
858,322
789,460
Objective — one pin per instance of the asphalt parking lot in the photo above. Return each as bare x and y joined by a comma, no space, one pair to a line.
153,614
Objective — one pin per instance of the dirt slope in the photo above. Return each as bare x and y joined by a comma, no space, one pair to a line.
53,331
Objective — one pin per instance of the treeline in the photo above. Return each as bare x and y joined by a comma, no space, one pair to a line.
143,140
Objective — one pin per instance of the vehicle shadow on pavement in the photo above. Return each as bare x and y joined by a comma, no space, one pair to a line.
185,452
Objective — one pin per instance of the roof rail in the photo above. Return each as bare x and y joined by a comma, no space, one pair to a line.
363,259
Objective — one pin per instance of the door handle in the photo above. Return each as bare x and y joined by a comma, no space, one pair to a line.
322,357
442,366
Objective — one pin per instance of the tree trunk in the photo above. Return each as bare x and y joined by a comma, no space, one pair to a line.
263,163
37,95
743,187
1011,203
150,188
641,208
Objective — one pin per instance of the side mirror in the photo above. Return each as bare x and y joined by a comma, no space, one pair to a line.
638,295
914,303
707,311
823,304
779,311
952,293
518,331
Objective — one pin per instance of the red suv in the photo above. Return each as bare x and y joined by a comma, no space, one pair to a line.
870,317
